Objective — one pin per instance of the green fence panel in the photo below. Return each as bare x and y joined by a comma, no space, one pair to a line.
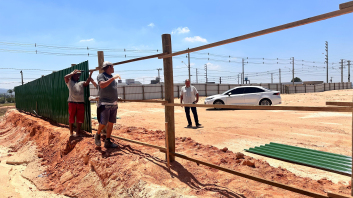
47,96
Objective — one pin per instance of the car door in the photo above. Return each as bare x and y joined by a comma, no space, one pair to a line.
235,97
252,95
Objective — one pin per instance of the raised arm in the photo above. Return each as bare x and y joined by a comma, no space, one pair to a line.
104,84
67,77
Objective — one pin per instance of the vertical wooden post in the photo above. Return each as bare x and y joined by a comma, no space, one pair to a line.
162,92
169,93
305,88
167,145
178,92
100,60
206,89
124,93
143,92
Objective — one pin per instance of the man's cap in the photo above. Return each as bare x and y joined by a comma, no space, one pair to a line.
107,63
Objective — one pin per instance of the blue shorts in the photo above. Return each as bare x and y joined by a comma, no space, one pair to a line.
107,114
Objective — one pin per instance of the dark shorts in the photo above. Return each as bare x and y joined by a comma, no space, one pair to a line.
107,114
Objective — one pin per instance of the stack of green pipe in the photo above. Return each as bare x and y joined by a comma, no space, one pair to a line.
318,159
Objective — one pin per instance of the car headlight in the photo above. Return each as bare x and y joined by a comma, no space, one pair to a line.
210,98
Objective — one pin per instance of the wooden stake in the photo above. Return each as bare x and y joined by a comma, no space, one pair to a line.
167,145
169,92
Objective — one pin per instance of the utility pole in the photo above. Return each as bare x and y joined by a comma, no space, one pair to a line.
293,69
197,81
341,70
189,66
159,77
326,49
220,80
271,78
279,76
238,79
206,72
21,76
349,71
242,78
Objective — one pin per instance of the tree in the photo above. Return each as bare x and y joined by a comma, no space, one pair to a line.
296,79
10,92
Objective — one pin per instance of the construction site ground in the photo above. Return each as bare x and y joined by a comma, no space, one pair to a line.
39,159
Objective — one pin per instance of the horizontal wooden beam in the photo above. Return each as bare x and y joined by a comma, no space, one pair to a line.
346,104
258,179
286,108
141,143
334,195
146,101
133,60
346,5
321,17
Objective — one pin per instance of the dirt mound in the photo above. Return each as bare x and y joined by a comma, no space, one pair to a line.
74,167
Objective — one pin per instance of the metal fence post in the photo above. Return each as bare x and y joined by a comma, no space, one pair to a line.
162,91
143,92
206,89
314,88
124,93
178,92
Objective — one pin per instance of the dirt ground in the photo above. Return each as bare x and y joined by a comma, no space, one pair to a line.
241,129
37,157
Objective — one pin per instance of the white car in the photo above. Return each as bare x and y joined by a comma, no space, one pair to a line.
246,95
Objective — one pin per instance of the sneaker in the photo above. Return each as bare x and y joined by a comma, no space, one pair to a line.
109,144
97,139
198,125
189,126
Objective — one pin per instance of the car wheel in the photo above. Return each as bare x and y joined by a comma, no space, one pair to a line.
265,102
218,102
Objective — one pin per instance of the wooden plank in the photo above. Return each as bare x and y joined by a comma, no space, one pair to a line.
346,5
254,178
169,92
287,108
334,195
265,31
146,101
131,60
345,104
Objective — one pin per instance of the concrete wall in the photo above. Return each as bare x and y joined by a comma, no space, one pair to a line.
145,92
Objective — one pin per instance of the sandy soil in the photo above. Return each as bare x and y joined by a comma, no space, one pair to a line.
241,129
42,154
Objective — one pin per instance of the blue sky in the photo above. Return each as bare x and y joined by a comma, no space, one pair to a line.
137,26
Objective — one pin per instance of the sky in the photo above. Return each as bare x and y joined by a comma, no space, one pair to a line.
65,32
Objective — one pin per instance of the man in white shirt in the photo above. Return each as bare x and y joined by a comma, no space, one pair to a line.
189,95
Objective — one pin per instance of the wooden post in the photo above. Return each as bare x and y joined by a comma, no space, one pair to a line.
305,88
167,145
100,60
206,89
169,93
124,93
162,92
178,92
143,92
72,65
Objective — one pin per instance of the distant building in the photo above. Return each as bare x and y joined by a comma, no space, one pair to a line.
130,81
156,81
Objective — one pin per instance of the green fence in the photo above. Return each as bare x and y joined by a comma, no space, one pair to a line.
47,96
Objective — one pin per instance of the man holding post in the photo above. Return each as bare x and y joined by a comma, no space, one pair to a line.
190,95
107,104
76,99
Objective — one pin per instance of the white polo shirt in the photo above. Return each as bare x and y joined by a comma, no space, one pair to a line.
189,94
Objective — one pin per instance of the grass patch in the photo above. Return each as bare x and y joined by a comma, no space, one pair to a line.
7,104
